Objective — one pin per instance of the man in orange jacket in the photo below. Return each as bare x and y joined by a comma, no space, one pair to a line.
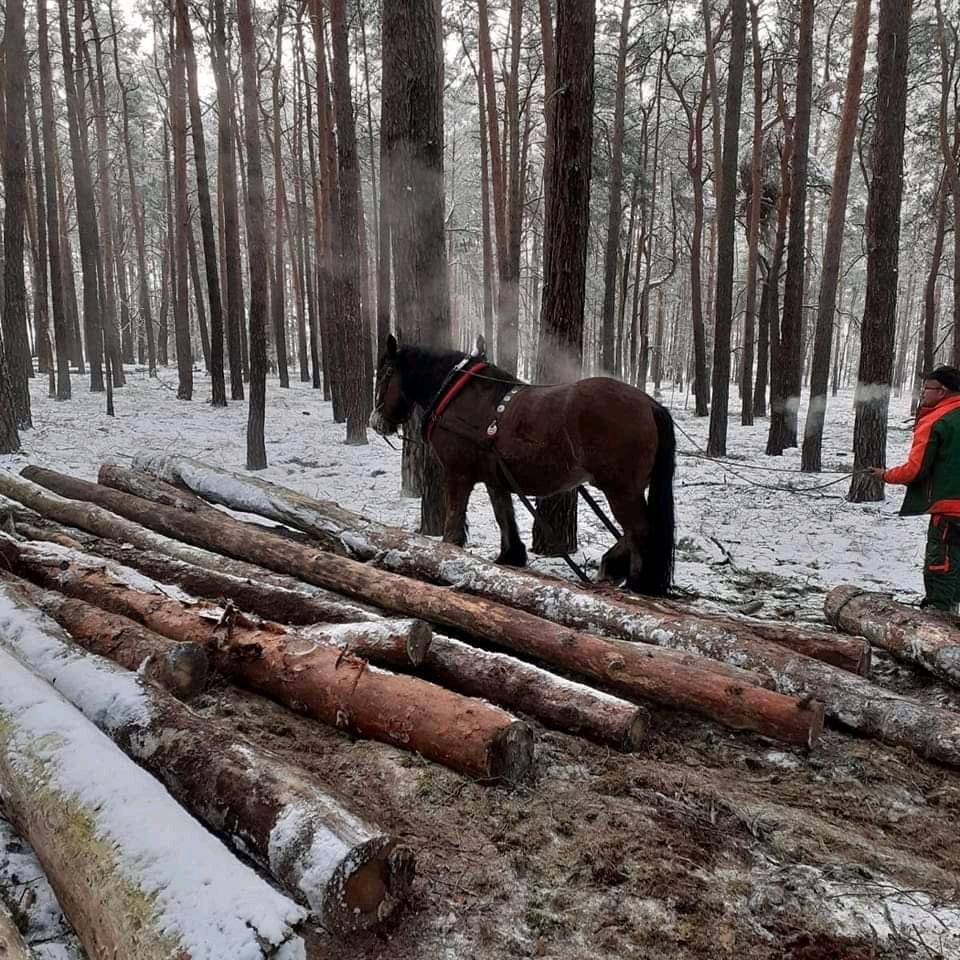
931,475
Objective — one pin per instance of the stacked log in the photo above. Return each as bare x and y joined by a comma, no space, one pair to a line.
349,873
682,680
926,637
342,531
306,675
128,891
12,946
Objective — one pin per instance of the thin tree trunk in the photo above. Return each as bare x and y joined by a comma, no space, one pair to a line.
726,226
833,246
883,238
277,297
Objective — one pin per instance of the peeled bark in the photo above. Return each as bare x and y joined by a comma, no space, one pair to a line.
341,531
687,684
349,873
928,638
128,892
315,678
553,700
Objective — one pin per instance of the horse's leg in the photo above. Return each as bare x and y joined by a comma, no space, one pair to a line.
457,496
631,513
512,551
615,563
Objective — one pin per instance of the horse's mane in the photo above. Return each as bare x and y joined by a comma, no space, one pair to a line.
428,361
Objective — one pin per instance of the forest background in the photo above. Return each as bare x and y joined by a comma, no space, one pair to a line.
751,202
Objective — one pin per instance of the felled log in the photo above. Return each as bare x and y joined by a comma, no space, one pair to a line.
349,873
12,946
926,637
553,700
180,668
99,531
314,678
131,869
683,681
388,642
413,555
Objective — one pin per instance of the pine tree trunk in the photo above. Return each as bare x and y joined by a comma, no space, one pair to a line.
14,327
231,210
277,298
883,238
256,242
830,271
61,332
214,356
560,346
726,227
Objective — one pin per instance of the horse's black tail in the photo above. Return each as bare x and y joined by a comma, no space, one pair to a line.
658,562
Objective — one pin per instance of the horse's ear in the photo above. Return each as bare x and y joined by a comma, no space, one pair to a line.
481,348
391,345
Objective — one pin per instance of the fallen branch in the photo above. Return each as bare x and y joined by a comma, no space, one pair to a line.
468,735
128,891
928,638
667,677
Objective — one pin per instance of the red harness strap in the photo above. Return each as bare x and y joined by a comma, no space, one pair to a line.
451,393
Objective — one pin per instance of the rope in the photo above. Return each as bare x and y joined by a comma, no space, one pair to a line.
808,490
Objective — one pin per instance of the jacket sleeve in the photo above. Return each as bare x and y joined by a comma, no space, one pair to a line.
919,462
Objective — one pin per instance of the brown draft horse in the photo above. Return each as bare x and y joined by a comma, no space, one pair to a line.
551,439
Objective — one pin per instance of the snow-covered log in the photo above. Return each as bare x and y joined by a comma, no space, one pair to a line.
113,535
12,946
308,676
555,701
926,637
180,668
668,677
348,872
340,530
134,873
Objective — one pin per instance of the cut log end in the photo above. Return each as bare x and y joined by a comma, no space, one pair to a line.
369,885
637,732
511,753
418,642
182,670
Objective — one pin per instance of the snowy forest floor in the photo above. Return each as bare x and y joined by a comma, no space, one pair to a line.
705,844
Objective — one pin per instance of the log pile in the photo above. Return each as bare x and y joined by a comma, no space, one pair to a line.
136,591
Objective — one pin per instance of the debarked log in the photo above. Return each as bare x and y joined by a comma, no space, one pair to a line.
314,678
349,873
664,622
674,679
131,869
926,637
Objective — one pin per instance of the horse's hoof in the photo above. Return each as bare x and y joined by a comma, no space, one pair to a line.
512,558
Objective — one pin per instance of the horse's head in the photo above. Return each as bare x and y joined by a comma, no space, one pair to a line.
393,407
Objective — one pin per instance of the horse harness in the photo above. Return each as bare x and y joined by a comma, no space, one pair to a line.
455,381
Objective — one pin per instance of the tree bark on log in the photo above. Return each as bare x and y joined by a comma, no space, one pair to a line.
319,680
647,672
342,531
254,588
928,638
127,891
387,642
12,946
553,700
850,700
182,669
348,872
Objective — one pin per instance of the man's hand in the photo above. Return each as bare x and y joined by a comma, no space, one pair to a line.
877,472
